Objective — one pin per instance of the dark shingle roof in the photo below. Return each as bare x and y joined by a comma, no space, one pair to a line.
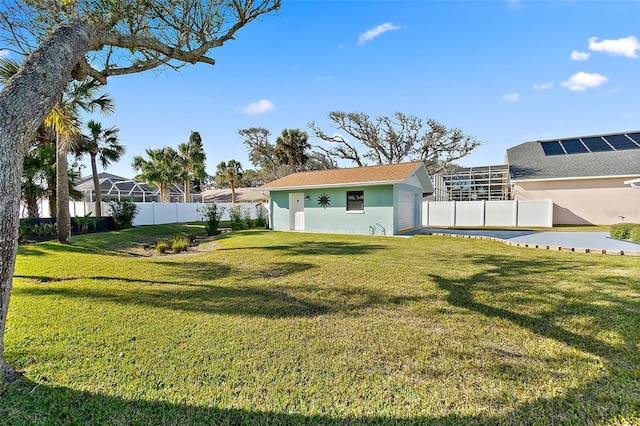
528,161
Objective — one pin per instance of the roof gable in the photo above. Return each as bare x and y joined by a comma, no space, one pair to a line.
355,176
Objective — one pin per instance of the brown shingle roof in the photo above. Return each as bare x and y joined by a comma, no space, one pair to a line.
357,175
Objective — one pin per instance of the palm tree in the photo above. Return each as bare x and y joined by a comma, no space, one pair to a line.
162,169
101,144
64,120
291,148
193,157
230,172
33,176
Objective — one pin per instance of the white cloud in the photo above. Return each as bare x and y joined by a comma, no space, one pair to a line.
580,56
543,86
583,81
259,107
623,46
375,32
511,97
4,53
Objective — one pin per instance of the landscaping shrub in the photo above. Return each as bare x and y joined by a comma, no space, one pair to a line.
179,243
212,215
39,231
261,220
162,246
622,231
84,223
240,218
634,235
123,213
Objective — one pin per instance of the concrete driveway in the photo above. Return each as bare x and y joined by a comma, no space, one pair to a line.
582,240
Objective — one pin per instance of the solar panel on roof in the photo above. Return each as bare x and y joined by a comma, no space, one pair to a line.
596,144
573,146
635,136
620,142
552,148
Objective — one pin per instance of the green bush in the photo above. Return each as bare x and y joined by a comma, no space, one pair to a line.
212,215
622,231
39,231
634,235
179,243
162,246
261,220
240,218
85,222
123,213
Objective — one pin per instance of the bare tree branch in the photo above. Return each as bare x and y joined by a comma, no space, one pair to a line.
391,140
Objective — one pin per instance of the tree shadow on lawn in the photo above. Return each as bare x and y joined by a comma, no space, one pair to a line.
338,248
28,402
608,313
190,291
505,276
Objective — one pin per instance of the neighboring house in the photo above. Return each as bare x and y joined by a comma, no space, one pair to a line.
243,195
364,200
114,187
588,178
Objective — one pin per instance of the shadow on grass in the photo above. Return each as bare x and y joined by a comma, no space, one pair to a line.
185,295
505,277
338,248
27,402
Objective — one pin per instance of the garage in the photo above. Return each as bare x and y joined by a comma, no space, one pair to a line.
406,210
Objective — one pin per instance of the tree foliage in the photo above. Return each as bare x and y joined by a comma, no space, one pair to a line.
192,156
292,148
162,169
392,140
291,153
230,173
102,145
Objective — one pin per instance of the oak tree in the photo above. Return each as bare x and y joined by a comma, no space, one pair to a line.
392,140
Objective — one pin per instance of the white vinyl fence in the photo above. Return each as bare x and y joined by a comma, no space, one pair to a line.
157,213
488,213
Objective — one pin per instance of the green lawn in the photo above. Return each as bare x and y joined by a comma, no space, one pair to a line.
263,327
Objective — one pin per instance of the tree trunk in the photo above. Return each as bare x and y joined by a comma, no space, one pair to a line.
96,185
24,102
232,184
164,193
63,218
187,191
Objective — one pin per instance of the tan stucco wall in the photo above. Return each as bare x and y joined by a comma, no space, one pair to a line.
598,201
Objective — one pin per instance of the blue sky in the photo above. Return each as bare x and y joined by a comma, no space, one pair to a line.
504,71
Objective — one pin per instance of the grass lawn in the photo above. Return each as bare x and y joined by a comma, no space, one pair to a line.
261,327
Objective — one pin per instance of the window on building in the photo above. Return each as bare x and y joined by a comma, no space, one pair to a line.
355,200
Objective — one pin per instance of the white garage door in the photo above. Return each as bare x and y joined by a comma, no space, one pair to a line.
406,210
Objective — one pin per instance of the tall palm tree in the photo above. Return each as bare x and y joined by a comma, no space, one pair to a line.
162,169
64,120
230,172
193,157
291,149
104,145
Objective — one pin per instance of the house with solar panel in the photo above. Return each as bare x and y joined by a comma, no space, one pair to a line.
590,179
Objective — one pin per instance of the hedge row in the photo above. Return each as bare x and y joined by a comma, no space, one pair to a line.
626,231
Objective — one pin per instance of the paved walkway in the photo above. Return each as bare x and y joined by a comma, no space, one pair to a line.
585,242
